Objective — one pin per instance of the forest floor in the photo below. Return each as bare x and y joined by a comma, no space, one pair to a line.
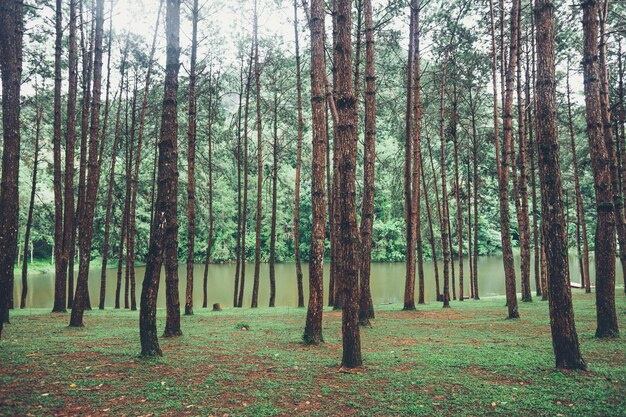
464,361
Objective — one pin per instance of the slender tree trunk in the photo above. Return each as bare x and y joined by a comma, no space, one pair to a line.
622,140
605,111
431,233
296,211
439,215
445,238
11,21
238,249
213,100
109,206
164,236
331,202
409,286
129,192
86,234
69,206
580,213
313,327
470,253
275,157
564,337
347,138
259,158
60,267
191,160
244,220
523,217
459,208
31,206
476,181
531,124
605,226
507,121
366,308
87,67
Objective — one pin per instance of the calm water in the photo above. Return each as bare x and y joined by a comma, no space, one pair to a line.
387,283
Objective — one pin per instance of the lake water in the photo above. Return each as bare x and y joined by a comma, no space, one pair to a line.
387,283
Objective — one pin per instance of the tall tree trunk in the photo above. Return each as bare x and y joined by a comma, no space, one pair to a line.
259,159
109,206
605,226
523,217
507,122
87,67
238,248
296,210
621,140
531,125
191,160
470,246
366,308
331,201
11,21
409,286
618,202
60,267
445,238
275,157
69,204
164,236
347,138
213,100
580,213
129,192
431,232
313,327
86,233
476,181
31,206
439,215
457,186
564,337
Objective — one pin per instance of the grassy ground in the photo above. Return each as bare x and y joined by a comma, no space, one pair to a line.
466,361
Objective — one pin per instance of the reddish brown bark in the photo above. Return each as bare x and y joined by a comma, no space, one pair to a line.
445,238
431,233
605,226
503,182
346,136
275,156
409,286
296,211
457,187
259,159
313,328
86,233
213,103
60,283
191,161
564,337
366,308
31,206
164,236
11,21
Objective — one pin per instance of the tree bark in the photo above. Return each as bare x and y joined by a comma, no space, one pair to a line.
259,159
564,337
409,286
431,232
445,238
507,121
238,247
366,308
164,242
457,186
296,211
275,157
191,160
605,227
347,138
580,213
31,206
313,328
213,107
11,21
60,269
86,233
476,181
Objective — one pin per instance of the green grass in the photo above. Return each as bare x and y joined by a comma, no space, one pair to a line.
466,361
